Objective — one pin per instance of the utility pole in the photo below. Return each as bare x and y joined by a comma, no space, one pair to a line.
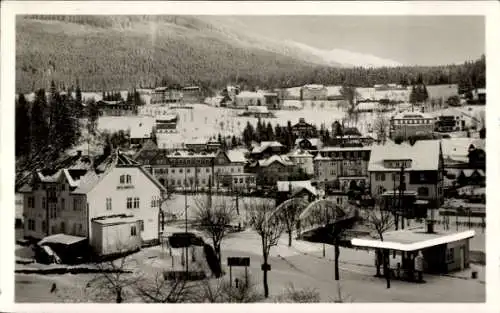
401,190
185,219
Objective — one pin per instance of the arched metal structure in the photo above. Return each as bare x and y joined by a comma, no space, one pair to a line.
286,204
323,213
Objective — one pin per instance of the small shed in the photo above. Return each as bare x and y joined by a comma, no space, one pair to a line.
65,248
116,234
443,251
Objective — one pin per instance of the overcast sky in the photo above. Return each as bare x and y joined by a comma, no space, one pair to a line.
422,40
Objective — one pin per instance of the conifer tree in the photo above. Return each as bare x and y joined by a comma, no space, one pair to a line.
23,127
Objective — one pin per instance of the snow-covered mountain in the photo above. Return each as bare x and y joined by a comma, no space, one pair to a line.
345,57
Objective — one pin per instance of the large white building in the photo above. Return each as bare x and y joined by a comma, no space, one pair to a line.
69,201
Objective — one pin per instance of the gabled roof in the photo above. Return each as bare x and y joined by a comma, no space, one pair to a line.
284,160
266,144
424,155
236,156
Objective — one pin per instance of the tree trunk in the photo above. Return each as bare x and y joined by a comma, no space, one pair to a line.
217,253
290,238
386,269
266,286
119,298
337,253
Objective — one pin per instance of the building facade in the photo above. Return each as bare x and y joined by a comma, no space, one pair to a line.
342,166
408,124
303,160
313,92
163,95
303,129
421,172
116,108
67,201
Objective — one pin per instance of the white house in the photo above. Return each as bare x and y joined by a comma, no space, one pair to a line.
249,98
303,160
66,201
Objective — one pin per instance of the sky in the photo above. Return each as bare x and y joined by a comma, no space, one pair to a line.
410,40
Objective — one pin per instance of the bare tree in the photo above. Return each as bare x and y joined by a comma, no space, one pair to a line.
160,290
269,227
381,221
334,222
213,218
115,277
289,212
381,126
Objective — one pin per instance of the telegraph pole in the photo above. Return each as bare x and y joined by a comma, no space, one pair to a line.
401,190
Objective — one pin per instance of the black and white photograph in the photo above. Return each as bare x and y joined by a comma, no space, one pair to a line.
249,158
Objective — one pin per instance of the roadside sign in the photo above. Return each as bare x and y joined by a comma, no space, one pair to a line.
238,261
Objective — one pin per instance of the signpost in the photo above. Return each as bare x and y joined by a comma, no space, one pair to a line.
238,261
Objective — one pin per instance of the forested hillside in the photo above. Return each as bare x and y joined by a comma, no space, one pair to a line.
121,52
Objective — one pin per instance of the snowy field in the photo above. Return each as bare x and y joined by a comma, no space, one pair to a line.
205,121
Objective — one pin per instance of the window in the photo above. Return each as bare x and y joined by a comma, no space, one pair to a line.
136,203
239,170
129,203
74,229
122,179
179,182
44,203
450,255
108,204
31,224
188,170
129,179
198,170
180,170
53,230
133,231
241,180
423,191
141,225
236,180
63,187
63,227
173,182
63,204
166,171
203,181
208,170
80,229
31,202
232,170
173,171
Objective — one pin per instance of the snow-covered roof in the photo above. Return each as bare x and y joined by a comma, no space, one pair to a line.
257,109
266,144
284,186
189,154
313,86
275,158
424,155
140,131
409,114
250,94
112,220
236,156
